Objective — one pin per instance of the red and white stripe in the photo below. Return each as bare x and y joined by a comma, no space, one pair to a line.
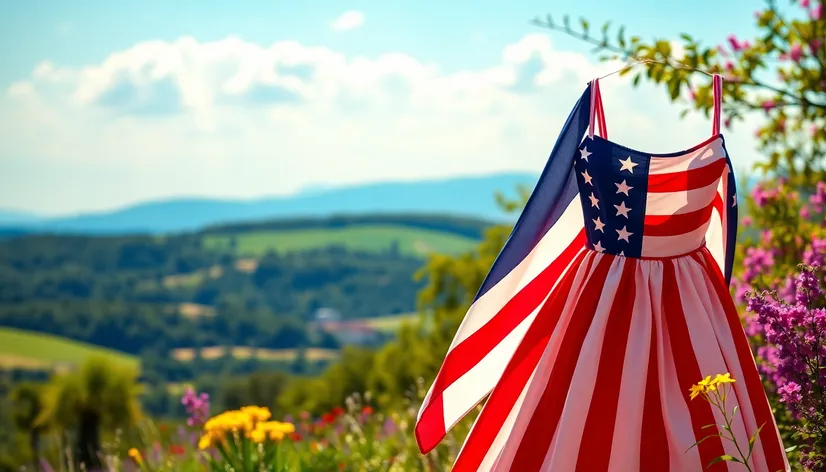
494,326
683,192
600,381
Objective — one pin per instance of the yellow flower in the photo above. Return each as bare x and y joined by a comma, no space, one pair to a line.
257,436
708,384
696,390
257,413
134,454
723,379
276,435
205,442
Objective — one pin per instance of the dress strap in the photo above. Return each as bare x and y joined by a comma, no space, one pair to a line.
597,112
717,86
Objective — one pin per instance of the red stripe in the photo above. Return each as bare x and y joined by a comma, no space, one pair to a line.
478,345
772,447
654,440
681,223
688,370
543,423
688,179
602,413
516,375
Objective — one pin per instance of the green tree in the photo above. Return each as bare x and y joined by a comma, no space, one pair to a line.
27,406
100,395
779,75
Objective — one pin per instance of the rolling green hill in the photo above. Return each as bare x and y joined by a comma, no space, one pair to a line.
30,350
373,238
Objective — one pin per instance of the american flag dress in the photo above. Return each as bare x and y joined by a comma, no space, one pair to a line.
608,301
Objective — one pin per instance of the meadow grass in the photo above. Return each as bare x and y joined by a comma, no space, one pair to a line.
31,350
373,238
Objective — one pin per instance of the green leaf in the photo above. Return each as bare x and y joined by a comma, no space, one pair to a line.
621,36
791,448
686,37
584,24
724,457
605,27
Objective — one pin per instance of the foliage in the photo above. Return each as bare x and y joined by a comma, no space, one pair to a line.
353,437
780,74
795,355
100,395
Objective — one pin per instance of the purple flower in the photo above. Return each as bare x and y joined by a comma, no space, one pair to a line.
789,393
197,407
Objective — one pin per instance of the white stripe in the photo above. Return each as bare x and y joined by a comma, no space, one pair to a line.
567,443
555,241
625,445
495,450
676,416
665,246
691,283
696,159
710,323
676,203
481,376
546,363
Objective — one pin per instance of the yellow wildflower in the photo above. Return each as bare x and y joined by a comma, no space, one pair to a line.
708,384
696,390
257,413
276,435
205,442
723,379
134,454
257,435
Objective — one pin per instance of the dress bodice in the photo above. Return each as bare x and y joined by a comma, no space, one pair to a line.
648,205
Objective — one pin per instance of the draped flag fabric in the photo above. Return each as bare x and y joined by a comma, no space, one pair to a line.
547,240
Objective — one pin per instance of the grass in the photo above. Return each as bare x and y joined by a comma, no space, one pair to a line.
31,350
374,238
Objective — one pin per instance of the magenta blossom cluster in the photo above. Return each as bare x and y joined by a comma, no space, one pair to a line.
197,407
763,196
757,261
795,351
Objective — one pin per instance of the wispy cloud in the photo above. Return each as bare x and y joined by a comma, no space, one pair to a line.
349,20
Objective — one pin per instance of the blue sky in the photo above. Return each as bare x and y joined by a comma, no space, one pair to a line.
106,105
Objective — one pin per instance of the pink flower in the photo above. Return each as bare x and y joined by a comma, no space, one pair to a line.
722,50
817,12
812,130
804,212
729,66
796,52
735,44
804,3
814,45
747,221
768,105
727,123
692,93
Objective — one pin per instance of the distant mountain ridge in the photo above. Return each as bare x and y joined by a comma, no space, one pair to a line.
466,196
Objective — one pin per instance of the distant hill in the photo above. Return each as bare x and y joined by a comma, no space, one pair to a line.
20,349
471,196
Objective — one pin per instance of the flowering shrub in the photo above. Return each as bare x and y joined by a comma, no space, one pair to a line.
794,356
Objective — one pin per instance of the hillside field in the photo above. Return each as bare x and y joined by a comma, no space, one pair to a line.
415,242
29,350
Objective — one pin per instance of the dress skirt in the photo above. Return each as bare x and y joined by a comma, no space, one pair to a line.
601,379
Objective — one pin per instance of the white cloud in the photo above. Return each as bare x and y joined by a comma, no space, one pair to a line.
349,20
234,118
